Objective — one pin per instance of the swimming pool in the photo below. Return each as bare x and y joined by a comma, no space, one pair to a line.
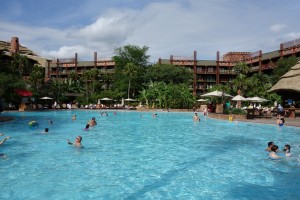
132,155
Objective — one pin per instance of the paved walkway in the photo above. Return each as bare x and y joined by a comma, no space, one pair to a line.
288,121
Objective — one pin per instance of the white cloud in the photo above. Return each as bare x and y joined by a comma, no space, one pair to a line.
277,28
167,28
293,35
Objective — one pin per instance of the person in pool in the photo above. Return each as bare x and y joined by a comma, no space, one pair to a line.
287,150
274,150
46,130
270,144
92,122
86,127
196,117
77,142
280,120
2,141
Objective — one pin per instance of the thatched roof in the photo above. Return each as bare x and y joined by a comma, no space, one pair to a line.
5,46
289,82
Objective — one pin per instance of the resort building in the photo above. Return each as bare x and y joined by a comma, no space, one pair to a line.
207,73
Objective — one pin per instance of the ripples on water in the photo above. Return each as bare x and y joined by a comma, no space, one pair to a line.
132,155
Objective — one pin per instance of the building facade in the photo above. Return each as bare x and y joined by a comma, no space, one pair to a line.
207,73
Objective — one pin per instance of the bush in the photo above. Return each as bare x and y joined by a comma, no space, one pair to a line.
236,111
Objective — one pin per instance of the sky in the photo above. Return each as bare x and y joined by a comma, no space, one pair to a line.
61,28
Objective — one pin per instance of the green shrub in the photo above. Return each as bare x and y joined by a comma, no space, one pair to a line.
236,111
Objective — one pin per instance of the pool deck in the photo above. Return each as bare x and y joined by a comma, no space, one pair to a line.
288,121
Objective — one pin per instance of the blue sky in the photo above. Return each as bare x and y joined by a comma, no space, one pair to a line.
60,28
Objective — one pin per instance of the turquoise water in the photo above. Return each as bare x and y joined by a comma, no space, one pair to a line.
132,155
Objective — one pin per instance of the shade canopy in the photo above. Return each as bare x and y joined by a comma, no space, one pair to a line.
128,99
256,99
216,93
289,82
46,98
202,100
239,98
23,93
105,99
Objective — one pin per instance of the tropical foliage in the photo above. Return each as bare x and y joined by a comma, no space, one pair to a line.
154,85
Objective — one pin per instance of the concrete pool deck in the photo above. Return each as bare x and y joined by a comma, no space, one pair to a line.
288,121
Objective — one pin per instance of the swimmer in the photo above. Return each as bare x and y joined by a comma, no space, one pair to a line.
77,142
273,154
4,140
92,122
270,144
287,150
196,117
51,122
46,130
74,117
280,120
154,115
86,127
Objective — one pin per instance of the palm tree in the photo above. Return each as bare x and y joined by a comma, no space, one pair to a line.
130,70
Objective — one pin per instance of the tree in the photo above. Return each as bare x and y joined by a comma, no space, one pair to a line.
283,66
130,71
20,64
36,78
169,74
136,56
241,82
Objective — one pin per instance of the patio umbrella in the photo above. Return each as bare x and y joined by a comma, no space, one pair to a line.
202,100
46,98
257,99
105,99
23,93
239,98
216,93
128,99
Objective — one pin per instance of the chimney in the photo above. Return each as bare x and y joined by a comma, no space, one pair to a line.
14,45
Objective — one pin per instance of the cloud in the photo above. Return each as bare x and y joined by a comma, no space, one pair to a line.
277,28
173,27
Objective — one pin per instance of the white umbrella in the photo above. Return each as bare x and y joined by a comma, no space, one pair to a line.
105,99
239,98
129,99
216,93
46,98
202,100
257,99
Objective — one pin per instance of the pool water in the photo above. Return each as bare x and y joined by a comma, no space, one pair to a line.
131,155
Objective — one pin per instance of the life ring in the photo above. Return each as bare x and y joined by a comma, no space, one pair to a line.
33,124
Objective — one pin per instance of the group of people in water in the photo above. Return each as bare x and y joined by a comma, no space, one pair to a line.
274,149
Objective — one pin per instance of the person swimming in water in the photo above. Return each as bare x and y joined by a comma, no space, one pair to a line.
87,127
2,141
287,150
274,150
196,117
270,144
6,138
92,122
280,120
46,130
77,142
